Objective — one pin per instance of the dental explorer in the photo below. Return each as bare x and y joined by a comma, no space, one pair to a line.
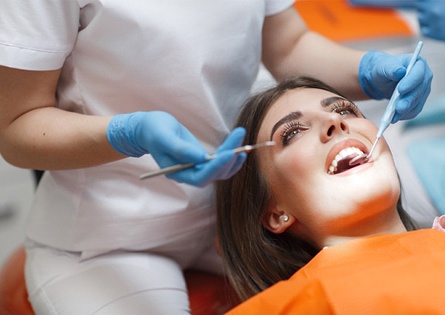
179,167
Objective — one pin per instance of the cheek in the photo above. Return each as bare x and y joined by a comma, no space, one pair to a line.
292,184
294,168
386,173
363,127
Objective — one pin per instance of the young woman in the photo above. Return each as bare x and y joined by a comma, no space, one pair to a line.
291,201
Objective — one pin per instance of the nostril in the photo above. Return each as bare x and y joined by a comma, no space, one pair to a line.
331,130
343,126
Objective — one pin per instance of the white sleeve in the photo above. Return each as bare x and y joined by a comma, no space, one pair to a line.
37,34
277,6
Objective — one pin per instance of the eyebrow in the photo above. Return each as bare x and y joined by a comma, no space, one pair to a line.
331,100
286,119
297,114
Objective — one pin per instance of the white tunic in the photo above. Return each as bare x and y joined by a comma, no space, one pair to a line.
195,59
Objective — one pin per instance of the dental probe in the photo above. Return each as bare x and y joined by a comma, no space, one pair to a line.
179,167
389,111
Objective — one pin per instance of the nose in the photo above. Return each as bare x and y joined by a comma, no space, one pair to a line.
332,126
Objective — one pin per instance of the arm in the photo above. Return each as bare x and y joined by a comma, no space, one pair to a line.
34,133
289,48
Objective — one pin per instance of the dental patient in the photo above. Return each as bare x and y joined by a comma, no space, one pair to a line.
303,232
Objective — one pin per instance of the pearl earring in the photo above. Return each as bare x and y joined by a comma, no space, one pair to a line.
285,217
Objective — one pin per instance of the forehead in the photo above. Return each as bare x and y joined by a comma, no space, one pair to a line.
302,99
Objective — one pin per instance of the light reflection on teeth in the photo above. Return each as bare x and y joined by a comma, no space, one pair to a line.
340,156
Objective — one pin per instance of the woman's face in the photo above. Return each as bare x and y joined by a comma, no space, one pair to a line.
312,129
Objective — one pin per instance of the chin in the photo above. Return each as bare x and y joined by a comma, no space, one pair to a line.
368,187
360,209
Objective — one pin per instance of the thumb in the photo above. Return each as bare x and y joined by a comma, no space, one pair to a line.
392,71
233,140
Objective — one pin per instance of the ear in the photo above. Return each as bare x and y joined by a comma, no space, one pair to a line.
277,221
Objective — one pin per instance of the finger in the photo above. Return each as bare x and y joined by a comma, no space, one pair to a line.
417,109
201,174
212,170
414,78
216,167
410,106
220,168
393,72
233,140
231,167
401,109
185,148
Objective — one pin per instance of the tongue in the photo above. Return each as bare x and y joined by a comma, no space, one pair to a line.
343,165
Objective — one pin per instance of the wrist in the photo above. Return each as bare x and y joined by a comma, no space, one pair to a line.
120,135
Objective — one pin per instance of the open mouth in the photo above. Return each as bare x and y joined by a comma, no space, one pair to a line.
341,161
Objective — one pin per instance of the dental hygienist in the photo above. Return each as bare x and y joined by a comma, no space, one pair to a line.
98,92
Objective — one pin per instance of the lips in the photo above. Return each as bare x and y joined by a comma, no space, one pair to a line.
339,156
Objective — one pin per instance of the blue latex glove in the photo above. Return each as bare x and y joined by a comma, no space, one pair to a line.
431,16
161,135
380,72
385,3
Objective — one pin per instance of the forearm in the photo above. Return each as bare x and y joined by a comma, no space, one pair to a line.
52,139
289,48
325,60
35,133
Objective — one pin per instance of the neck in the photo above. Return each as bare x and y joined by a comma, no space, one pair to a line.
386,223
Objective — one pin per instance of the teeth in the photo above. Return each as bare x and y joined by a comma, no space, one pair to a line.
341,155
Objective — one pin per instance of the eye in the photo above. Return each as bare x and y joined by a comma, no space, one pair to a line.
291,130
345,108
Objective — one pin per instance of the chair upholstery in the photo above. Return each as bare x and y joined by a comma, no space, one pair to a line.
13,295
209,294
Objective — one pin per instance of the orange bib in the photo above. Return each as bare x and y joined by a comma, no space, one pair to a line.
387,274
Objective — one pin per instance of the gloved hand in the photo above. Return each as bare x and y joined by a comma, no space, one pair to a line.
384,3
431,16
161,135
380,72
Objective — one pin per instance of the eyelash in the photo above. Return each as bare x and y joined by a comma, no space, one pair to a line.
294,128
342,106
291,129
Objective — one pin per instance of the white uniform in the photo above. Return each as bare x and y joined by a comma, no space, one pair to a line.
195,59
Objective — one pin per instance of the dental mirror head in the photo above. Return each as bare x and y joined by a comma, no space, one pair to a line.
363,158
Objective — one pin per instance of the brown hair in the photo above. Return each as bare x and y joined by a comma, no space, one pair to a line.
255,258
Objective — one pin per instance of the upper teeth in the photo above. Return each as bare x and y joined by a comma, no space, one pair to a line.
341,155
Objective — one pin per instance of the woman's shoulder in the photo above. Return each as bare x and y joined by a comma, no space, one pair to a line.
356,275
